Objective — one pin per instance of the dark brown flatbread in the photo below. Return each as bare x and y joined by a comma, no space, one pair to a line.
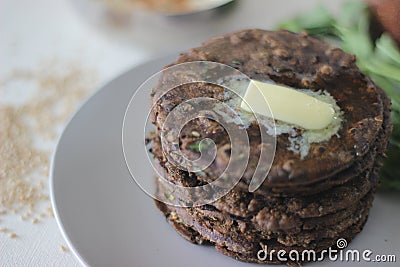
238,202
307,204
227,235
294,60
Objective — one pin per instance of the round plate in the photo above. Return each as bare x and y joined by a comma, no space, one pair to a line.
195,6
108,221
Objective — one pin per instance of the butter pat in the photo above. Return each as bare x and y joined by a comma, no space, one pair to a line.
287,105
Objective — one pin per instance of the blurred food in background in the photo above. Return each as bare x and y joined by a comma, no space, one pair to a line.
387,15
178,23
370,30
167,7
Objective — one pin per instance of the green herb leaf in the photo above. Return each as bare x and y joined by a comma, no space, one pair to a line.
387,49
195,146
350,14
356,42
379,60
317,21
381,68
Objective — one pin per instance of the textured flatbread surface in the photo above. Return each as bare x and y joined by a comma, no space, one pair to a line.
239,238
299,61
305,203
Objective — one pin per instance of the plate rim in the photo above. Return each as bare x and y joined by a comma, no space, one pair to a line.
97,91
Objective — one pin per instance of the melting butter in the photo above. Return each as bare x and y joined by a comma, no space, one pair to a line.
300,139
287,105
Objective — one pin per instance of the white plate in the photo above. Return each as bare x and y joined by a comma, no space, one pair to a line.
108,221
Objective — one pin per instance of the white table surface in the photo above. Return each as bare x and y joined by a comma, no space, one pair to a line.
35,31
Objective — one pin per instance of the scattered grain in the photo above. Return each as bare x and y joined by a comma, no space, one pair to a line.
12,235
41,185
64,249
25,163
50,211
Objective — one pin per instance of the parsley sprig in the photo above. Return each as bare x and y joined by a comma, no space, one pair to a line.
378,59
